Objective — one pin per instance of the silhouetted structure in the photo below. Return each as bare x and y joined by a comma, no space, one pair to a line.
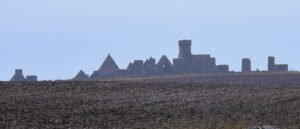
189,63
246,65
150,67
222,68
185,51
273,67
186,63
108,68
32,78
136,68
164,66
18,76
81,76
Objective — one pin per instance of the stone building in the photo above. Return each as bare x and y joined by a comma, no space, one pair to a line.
18,76
81,76
273,67
246,65
150,67
184,64
108,68
136,68
164,66
32,78
222,68
189,63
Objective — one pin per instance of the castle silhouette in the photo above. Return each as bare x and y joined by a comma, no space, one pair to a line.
186,63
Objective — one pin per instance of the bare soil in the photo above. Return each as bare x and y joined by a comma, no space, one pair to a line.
164,103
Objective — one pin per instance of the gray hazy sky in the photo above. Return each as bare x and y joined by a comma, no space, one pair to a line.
54,39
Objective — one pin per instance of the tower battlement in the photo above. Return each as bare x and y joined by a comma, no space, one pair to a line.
185,42
185,51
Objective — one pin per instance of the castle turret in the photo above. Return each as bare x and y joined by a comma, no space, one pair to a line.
18,76
246,65
273,67
185,52
271,64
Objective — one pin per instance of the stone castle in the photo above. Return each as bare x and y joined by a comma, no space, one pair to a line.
18,76
185,63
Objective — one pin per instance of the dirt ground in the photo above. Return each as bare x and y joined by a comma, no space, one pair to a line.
151,104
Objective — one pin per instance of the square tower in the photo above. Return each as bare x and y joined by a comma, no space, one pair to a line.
185,52
246,65
271,64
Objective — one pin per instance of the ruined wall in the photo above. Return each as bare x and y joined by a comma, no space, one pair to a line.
179,66
222,69
137,68
150,66
282,68
164,66
31,78
273,67
200,64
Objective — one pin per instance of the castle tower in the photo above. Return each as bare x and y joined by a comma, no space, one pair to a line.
18,76
246,65
185,52
271,64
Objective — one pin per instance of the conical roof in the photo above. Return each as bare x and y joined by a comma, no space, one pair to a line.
81,76
109,66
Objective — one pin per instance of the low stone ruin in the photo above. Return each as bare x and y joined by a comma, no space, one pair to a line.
32,78
18,76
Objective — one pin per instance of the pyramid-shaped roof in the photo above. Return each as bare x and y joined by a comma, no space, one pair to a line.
81,76
164,61
109,66
164,65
